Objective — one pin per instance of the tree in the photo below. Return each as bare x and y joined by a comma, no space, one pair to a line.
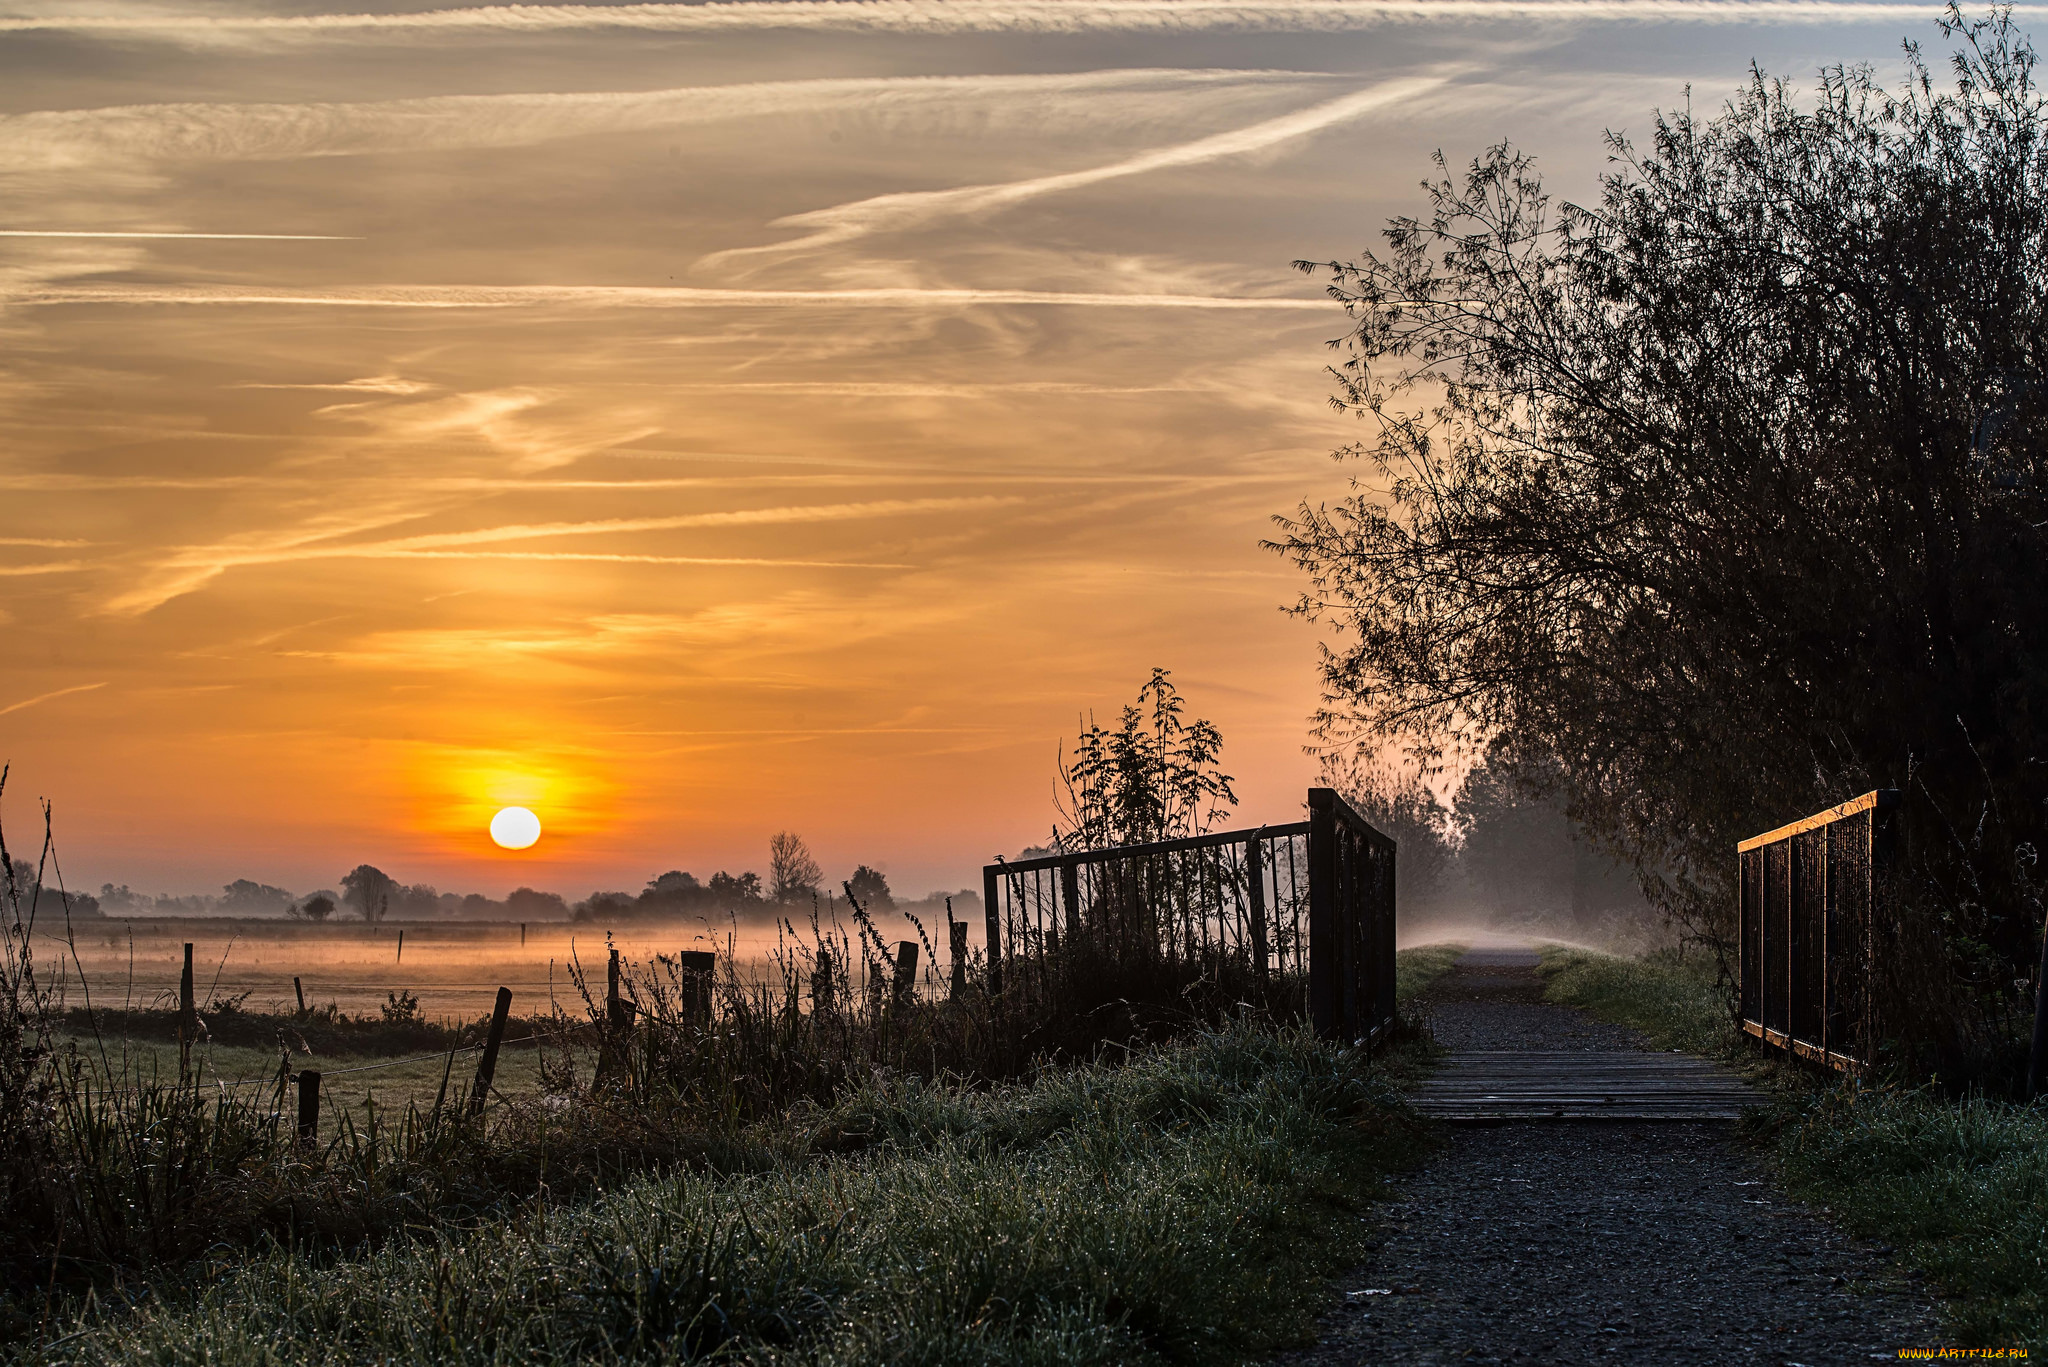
527,904
1152,778
244,897
1400,805
736,892
1722,499
369,890
793,875
868,887
316,908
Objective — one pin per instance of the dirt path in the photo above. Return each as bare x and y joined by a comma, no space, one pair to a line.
1588,1242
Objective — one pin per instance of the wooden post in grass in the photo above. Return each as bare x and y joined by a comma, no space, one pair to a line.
188,1012
401,946
300,989
821,985
959,933
522,934
695,969
906,972
309,1107
487,1066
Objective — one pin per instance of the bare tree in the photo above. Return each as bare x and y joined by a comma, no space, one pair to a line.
793,875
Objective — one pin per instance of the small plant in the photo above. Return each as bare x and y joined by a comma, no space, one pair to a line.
401,1008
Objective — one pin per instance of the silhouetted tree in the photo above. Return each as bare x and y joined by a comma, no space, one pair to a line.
244,897
316,908
870,889
369,890
1724,498
527,904
793,875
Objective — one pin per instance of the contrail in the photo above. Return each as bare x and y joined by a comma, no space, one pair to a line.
986,16
45,697
635,296
201,237
913,209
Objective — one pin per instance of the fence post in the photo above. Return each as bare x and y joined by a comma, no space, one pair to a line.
2037,1057
309,1107
188,1013
992,918
401,946
614,1006
522,934
1325,915
487,1066
299,988
958,931
906,972
821,984
1255,889
697,966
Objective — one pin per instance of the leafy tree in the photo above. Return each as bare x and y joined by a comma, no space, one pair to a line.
369,890
526,904
1722,499
244,897
736,892
1153,777
1400,805
316,908
793,875
868,887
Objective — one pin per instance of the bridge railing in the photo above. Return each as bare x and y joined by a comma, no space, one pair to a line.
1808,902
1300,915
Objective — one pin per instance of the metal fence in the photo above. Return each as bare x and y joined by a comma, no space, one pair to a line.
1309,902
1808,894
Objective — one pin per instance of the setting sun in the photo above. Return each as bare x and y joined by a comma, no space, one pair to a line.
515,828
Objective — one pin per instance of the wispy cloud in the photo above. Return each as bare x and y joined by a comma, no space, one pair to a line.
917,209
975,16
632,296
67,140
202,237
54,693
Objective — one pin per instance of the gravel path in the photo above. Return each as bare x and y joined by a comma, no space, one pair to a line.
1587,1242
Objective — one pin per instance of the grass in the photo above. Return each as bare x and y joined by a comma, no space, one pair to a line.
1958,1185
1415,969
1184,1207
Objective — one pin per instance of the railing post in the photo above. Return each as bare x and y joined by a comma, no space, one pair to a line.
2037,1057
1325,918
1070,893
993,920
1255,898
487,1066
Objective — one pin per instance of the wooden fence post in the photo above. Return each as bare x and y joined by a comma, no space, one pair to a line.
958,931
906,972
188,1012
522,934
487,1066
821,984
300,989
699,967
992,919
401,946
309,1107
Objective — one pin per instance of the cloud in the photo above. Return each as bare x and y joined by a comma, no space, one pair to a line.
632,296
187,569
971,16
204,237
55,693
916,209
68,140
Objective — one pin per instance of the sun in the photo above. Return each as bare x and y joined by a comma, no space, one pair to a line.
515,828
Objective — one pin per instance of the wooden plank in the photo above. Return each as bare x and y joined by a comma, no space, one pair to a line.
1882,797
1498,1085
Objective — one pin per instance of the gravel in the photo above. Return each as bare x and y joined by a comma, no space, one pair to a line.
1591,1242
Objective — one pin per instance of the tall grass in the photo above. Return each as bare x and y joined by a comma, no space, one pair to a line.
1679,1000
1185,1207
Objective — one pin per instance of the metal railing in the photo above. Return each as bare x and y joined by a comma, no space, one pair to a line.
1308,902
1808,899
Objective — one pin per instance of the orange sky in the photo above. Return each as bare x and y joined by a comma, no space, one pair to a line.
696,422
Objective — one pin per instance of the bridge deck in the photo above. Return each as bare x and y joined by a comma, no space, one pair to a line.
1479,1086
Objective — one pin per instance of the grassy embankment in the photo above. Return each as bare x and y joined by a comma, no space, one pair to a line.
1960,1186
1186,1206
